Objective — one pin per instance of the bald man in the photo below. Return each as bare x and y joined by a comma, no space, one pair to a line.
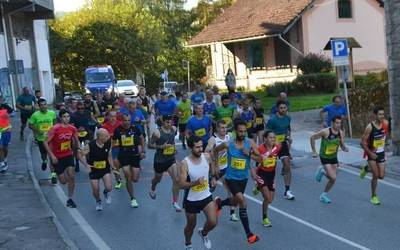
99,162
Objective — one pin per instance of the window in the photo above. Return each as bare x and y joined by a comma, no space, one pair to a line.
255,52
344,9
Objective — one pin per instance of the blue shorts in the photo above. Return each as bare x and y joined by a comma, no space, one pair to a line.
5,138
114,153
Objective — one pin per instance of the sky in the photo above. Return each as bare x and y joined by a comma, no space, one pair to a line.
72,5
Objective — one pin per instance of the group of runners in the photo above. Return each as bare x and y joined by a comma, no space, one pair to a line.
229,138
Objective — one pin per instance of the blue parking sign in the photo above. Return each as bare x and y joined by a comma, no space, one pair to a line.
340,52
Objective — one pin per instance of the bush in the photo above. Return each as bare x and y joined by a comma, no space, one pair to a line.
371,79
305,84
314,63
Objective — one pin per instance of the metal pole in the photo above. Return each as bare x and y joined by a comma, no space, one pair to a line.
188,73
347,101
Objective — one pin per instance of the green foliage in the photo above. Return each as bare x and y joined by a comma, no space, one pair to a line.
371,79
314,63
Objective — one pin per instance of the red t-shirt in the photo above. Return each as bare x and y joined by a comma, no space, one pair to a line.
110,128
269,157
60,140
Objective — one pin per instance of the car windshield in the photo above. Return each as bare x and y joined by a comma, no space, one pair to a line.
125,84
98,77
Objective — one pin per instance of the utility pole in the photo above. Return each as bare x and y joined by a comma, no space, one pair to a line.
186,65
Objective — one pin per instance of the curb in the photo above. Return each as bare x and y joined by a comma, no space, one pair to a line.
63,233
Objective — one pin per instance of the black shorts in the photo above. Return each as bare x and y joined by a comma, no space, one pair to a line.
25,117
97,174
331,161
195,207
129,160
236,186
268,179
284,150
63,164
161,167
182,128
222,173
380,159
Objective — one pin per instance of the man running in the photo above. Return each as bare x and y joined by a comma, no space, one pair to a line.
61,139
41,122
195,171
199,125
280,125
225,112
221,159
247,115
373,142
5,133
331,139
130,152
184,114
240,151
25,103
163,141
98,161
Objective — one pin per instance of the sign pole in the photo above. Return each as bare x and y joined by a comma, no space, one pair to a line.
345,78
188,73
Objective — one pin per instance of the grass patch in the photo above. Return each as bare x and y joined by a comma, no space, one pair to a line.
297,103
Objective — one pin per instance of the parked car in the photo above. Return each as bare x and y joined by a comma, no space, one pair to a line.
127,87
75,94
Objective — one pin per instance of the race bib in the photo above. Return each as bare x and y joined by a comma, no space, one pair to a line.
109,107
169,150
227,120
145,108
222,161
82,134
127,141
259,121
280,138
44,127
239,164
379,143
200,132
269,162
249,124
100,120
65,145
116,143
331,149
99,164
200,187
28,106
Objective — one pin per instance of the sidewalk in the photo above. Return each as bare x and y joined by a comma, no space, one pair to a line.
26,222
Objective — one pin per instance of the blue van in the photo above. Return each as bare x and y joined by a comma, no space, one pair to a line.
99,79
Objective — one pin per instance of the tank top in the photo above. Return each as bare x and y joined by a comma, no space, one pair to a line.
98,157
168,154
259,116
329,146
145,103
238,163
222,159
196,171
269,157
377,139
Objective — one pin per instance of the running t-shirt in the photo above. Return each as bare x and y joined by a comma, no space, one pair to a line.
280,126
377,138
197,98
238,163
98,156
209,109
110,128
248,117
226,114
27,101
333,111
269,158
165,107
43,122
128,140
185,108
200,127
60,140
329,146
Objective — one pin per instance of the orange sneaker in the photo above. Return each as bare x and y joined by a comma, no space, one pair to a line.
252,239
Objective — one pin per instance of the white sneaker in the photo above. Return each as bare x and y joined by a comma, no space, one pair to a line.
152,194
206,241
289,195
177,207
233,217
99,207
3,167
107,197
188,247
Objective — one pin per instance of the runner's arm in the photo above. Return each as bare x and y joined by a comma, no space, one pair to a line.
255,154
154,137
342,145
47,141
320,134
110,159
365,138
213,167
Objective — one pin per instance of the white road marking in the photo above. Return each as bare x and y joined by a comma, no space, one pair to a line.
347,170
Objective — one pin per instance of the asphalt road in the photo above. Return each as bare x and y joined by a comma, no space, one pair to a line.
349,222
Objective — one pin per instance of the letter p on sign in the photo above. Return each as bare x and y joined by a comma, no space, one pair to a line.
339,47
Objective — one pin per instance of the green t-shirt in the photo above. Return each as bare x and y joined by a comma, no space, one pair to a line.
225,114
43,122
185,108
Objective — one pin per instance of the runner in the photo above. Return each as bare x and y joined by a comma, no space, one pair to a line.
331,139
90,105
110,125
5,133
102,108
265,179
225,112
61,139
25,103
240,152
130,152
164,106
98,161
210,107
199,125
198,97
195,171
259,121
40,122
280,125
373,142
221,159
184,114
146,107
248,117
163,140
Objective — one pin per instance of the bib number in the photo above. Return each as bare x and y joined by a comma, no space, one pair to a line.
239,164
145,108
379,145
127,141
109,107
227,120
269,162
259,121
65,145
200,132
82,134
280,138
99,164
249,125
222,161
100,120
200,187
169,150
331,149
44,127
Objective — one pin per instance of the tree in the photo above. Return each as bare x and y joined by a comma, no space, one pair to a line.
392,16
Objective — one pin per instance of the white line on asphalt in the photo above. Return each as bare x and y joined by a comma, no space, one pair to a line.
345,169
84,225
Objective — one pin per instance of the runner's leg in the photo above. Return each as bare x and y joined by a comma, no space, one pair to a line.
330,173
211,218
191,221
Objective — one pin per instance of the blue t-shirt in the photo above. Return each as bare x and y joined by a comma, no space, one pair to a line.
201,128
197,98
238,163
333,111
27,101
209,108
165,108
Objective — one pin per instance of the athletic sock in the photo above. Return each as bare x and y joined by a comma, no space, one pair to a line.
264,215
226,202
174,199
232,211
287,188
245,221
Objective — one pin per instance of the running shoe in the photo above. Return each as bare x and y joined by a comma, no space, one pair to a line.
71,203
218,205
44,165
255,190
118,185
53,178
177,207
99,206
134,203
267,223
319,174
233,217
324,198
375,201
252,239
188,247
289,195
3,167
107,196
363,172
206,240
152,194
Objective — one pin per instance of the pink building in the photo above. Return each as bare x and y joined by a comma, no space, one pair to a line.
262,40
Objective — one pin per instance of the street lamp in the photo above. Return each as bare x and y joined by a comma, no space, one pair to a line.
186,65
